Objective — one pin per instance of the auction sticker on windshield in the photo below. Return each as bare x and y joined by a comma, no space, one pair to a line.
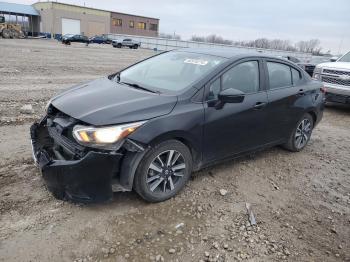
196,61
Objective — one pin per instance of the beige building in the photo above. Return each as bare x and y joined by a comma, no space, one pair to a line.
58,19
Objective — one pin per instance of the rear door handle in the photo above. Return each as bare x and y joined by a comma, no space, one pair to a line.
301,92
260,105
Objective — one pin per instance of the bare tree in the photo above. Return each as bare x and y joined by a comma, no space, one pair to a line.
310,46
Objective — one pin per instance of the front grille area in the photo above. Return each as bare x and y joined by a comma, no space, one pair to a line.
335,81
335,72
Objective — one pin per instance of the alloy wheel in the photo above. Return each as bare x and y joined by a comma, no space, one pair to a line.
166,171
303,133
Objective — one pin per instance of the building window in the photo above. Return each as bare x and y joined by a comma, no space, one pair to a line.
153,27
117,22
141,25
131,24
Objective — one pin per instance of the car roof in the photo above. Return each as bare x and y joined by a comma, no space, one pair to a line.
227,53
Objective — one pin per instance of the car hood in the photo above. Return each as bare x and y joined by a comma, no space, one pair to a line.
105,102
335,65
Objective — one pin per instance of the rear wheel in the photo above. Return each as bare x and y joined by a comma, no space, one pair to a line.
136,46
163,171
119,45
301,134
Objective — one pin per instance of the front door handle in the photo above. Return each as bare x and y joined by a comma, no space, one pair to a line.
301,92
260,105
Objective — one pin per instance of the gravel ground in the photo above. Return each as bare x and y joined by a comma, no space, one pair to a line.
301,201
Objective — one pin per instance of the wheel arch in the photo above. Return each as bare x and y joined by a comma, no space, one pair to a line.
132,160
184,138
314,116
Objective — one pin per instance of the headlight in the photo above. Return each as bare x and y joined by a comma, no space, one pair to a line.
317,73
317,70
103,136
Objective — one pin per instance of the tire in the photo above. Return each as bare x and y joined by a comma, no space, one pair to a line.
119,45
156,186
6,33
136,46
15,34
301,134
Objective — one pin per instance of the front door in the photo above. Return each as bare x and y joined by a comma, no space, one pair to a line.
235,127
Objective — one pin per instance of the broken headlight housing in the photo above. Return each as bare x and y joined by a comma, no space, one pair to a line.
103,137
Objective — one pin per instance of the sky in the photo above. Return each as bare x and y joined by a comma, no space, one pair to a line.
294,20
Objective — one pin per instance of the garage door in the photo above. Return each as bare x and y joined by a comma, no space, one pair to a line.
96,28
70,26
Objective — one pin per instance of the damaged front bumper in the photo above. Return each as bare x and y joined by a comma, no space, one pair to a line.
87,177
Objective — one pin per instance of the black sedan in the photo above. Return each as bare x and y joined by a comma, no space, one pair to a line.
149,126
99,39
68,39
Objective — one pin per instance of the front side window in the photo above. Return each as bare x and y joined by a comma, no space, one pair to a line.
214,89
244,77
171,71
279,75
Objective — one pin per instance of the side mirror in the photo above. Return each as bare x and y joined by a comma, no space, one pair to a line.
231,95
334,59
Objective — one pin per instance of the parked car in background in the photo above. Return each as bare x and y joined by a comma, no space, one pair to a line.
99,39
128,42
110,38
336,78
147,127
310,65
69,38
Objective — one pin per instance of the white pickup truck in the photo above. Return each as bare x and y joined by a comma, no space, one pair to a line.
126,43
336,79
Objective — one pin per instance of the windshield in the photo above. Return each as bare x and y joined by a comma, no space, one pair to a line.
171,71
345,58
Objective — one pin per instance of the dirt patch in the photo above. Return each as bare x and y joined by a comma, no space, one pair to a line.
301,200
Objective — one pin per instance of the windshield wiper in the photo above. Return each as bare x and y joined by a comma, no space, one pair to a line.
139,87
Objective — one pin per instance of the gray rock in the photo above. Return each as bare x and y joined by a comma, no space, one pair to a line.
172,251
223,192
27,109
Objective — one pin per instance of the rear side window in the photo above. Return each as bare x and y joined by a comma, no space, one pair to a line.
296,77
244,77
279,75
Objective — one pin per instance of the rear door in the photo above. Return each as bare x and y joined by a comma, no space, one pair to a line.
235,127
287,96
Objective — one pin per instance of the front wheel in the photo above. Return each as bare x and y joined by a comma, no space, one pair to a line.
163,171
301,134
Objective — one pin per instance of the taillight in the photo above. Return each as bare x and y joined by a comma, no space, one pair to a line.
323,89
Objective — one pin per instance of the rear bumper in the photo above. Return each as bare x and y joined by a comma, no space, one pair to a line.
88,179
